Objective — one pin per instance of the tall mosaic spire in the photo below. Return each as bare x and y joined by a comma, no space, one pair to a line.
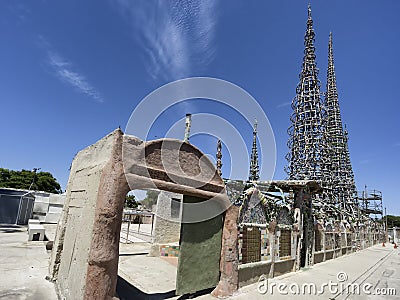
307,157
335,135
254,168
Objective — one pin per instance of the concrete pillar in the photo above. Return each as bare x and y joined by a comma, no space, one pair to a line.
85,254
229,263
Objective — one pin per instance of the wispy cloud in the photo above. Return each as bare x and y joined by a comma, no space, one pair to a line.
365,161
63,69
396,144
177,36
284,104
21,11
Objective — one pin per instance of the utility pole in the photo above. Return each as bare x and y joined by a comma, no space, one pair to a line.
34,176
386,227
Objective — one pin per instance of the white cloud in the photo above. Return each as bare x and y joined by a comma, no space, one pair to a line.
64,70
284,104
177,36
21,11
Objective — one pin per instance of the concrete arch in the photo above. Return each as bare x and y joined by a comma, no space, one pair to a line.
84,261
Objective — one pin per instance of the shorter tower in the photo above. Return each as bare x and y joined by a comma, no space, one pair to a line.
188,124
350,184
219,158
254,173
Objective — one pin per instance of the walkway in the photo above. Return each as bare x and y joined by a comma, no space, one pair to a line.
375,269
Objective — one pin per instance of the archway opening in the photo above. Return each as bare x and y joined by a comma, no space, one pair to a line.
149,244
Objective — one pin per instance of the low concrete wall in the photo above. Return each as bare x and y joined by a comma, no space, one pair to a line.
250,273
56,203
338,253
48,207
329,254
283,266
41,206
318,257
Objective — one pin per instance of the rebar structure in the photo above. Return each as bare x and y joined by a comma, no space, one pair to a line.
219,158
188,124
318,142
350,184
341,172
308,157
254,173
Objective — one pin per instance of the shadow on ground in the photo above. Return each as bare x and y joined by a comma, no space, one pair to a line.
126,291
133,254
10,228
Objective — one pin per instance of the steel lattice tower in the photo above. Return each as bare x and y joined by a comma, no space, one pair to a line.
254,173
308,155
334,132
350,185
342,177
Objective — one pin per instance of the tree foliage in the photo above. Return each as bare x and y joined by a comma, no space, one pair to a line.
25,179
151,198
130,201
393,221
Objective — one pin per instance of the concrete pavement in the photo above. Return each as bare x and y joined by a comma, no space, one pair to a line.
23,266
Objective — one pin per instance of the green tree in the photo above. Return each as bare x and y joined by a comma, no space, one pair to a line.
24,179
151,198
393,221
130,201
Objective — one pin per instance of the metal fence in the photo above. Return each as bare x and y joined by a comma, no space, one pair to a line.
137,224
15,207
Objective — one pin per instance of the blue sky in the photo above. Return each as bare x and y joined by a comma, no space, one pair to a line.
73,71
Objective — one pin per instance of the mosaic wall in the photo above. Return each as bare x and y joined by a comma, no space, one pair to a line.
343,239
254,244
284,217
349,239
337,241
285,243
318,240
251,245
329,240
169,251
252,211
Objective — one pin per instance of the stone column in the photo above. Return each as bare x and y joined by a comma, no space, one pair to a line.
101,279
229,279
